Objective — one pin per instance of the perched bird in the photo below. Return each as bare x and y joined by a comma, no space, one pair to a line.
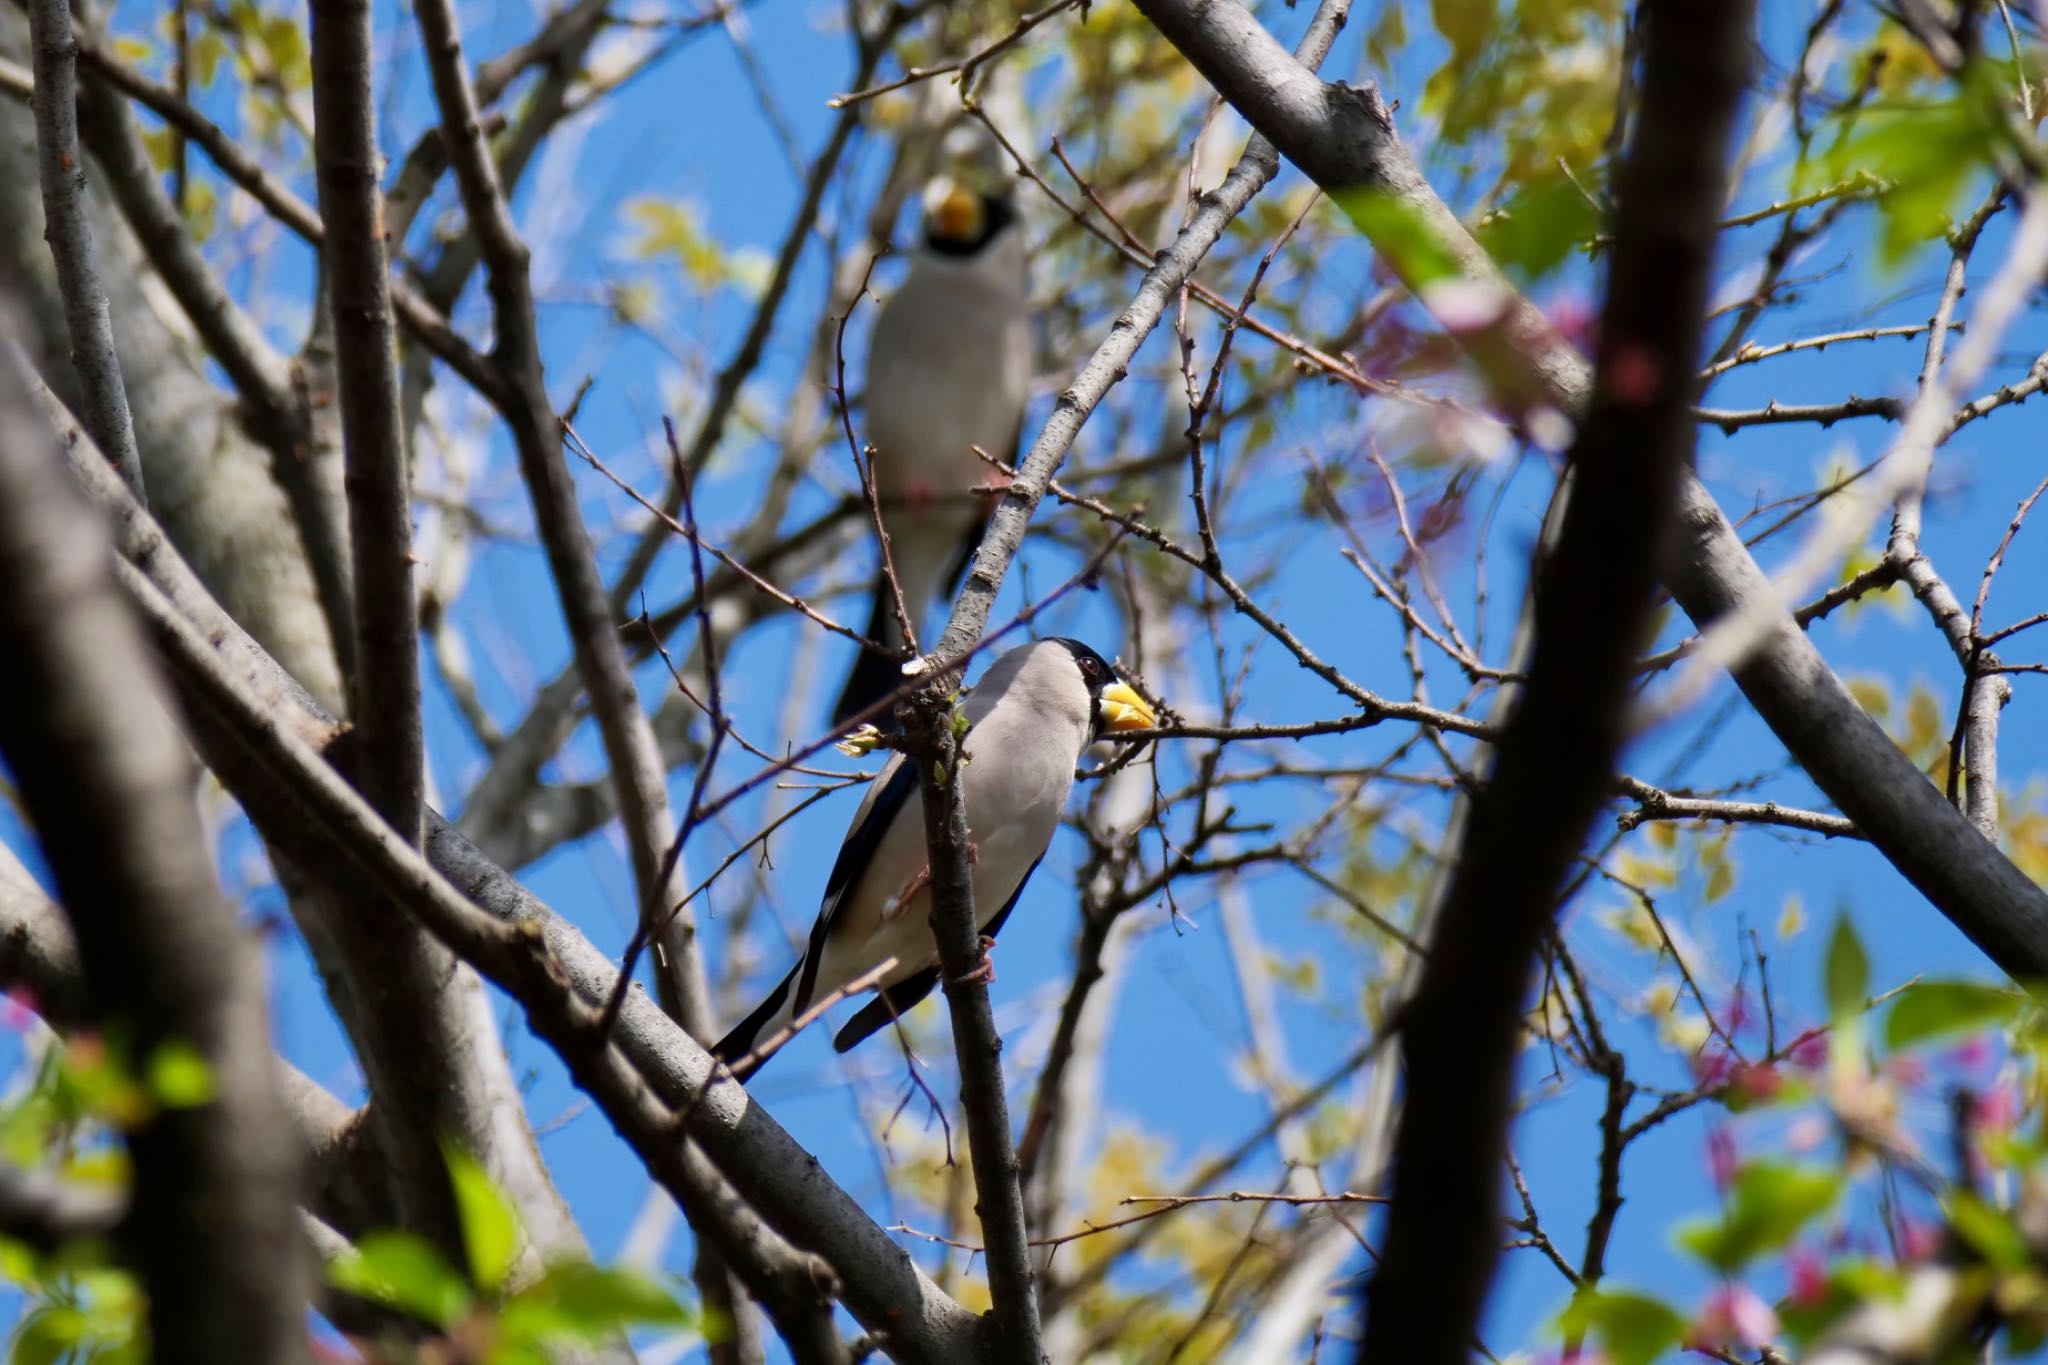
948,368
1034,711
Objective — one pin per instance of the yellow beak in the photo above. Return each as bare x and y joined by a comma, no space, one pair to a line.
1123,709
953,212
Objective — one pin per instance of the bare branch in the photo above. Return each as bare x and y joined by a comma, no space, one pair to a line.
385,688
70,236
998,1196
46,1211
104,778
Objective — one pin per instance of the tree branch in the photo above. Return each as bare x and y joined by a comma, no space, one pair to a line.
638,774
69,234
1162,282
46,1211
105,781
384,695
1462,1028
998,1198
275,405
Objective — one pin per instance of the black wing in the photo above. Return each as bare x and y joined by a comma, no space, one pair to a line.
963,553
747,1032
895,1001
874,676
899,784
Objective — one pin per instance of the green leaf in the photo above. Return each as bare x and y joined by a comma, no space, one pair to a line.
47,1335
1768,1206
490,1224
578,1301
1924,155
1539,225
1399,232
1634,1328
1990,1231
1848,972
179,1076
1930,1009
401,1270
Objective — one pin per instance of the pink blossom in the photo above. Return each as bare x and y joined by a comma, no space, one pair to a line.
1906,1070
18,1009
1575,316
1809,1275
1634,375
1995,1110
1758,1082
1807,1132
1465,306
1711,1067
1809,1050
1971,1054
1734,1316
1722,1156
1737,1013
1918,1240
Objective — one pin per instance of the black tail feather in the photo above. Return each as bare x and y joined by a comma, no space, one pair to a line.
746,1034
887,1005
874,675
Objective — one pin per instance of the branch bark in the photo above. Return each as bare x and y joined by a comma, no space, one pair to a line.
384,693
86,314
47,1211
1462,1029
274,406
87,733
1341,136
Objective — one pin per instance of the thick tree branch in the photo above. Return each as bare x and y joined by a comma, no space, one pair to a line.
1462,1029
1330,132
421,1026
384,694
65,227
274,402
46,1211
105,780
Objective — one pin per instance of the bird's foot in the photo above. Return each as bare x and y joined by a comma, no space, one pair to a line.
894,905
984,971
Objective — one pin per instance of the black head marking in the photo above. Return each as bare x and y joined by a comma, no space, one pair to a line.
1096,671
997,213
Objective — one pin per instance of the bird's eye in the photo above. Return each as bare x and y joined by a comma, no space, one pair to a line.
1090,667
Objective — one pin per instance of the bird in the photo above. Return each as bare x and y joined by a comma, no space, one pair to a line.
948,368
1036,708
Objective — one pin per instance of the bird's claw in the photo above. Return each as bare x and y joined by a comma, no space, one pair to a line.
983,971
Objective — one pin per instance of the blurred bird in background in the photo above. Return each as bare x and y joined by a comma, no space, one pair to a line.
948,369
